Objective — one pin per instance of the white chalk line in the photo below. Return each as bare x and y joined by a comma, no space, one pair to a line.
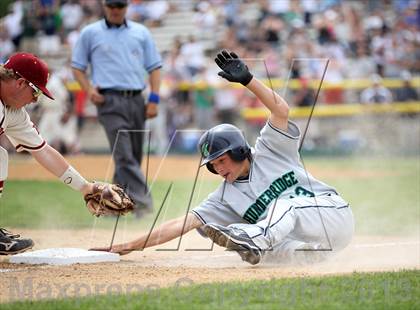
6,270
386,244
213,256
26,267
357,246
367,245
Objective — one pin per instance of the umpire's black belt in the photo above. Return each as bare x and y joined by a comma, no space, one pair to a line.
123,93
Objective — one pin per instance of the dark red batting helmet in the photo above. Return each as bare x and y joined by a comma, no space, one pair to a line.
32,69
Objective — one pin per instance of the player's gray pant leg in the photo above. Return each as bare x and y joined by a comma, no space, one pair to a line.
122,121
329,222
322,220
280,221
289,252
270,231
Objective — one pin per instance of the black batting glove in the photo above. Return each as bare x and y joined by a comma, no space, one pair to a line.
234,69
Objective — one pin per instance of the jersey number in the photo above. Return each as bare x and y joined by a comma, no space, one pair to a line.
300,191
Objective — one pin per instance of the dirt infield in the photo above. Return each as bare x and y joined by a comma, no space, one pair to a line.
170,168
165,266
95,167
193,263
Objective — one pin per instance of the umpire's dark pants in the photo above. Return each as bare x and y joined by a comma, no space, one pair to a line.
123,117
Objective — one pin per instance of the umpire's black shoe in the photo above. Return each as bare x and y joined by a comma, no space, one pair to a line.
11,244
236,240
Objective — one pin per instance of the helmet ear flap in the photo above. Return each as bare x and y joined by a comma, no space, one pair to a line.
221,139
240,154
210,168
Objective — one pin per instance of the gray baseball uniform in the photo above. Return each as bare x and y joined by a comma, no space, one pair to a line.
281,206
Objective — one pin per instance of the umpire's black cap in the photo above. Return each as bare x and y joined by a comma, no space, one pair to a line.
109,2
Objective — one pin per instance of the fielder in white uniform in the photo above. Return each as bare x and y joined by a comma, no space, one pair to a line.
23,78
268,205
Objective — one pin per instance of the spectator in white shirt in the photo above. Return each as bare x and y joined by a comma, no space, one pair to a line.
377,93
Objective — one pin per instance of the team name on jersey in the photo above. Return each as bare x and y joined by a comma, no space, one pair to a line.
276,188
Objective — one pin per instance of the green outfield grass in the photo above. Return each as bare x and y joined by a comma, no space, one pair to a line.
385,199
49,204
388,290
385,203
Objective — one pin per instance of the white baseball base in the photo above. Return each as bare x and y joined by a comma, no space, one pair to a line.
63,256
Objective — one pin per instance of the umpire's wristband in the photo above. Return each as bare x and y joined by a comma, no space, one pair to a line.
154,98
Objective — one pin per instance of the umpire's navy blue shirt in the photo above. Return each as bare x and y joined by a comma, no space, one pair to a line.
118,56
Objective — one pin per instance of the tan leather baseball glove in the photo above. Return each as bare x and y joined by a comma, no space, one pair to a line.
108,199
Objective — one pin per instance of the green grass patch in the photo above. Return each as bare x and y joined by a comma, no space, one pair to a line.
388,290
385,198
49,204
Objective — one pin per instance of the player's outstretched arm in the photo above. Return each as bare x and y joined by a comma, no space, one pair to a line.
162,234
235,70
55,163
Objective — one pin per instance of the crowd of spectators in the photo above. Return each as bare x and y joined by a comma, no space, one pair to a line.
362,40
55,23
280,39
